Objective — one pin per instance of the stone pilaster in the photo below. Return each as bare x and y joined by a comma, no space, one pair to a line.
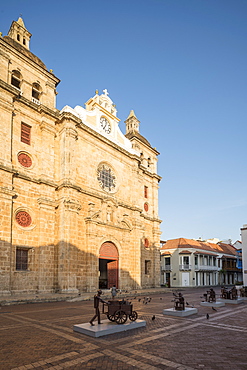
47,157
45,253
68,249
6,261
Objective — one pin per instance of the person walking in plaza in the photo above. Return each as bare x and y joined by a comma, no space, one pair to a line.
113,291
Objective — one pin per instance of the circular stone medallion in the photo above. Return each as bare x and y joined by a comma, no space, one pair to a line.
23,218
146,243
25,160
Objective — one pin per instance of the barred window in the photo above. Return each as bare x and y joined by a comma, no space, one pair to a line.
147,267
106,178
21,259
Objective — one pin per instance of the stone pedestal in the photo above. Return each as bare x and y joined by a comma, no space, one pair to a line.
186,312
107,327
232,301
213,304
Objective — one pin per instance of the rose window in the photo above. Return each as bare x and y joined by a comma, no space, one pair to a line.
106,178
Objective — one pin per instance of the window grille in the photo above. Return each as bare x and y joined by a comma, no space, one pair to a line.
21,259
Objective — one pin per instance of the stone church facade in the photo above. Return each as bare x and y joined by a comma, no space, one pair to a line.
78,198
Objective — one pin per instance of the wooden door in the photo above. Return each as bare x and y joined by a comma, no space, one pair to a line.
112,274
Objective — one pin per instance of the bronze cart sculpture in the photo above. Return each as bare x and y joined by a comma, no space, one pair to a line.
243,291
119,310
229,294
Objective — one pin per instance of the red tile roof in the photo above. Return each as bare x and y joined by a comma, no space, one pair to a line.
207,253
199,245
166,253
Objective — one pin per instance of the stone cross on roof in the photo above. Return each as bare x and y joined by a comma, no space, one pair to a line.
105,92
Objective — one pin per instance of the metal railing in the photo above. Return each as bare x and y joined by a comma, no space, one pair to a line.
166,268
206,268
36,101
185,267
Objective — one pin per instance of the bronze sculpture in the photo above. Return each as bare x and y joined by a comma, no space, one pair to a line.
243,291
178,302
229,294
116,310
210,296
97,300
119,311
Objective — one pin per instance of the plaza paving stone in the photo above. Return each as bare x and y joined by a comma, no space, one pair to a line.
40,336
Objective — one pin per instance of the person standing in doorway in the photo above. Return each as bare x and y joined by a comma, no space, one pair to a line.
113,291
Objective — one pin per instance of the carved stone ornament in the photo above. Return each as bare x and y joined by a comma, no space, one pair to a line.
23,218
146,243
146,207
72,205
25,160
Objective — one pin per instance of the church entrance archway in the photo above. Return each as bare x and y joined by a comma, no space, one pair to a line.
108,266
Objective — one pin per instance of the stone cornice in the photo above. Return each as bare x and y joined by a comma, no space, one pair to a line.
11,89
70,204
25,177
67,116
68,184
27,60
44,126
46,203
6,191
106,112
7,169
153,219
154,150
93,194
151,174
106,225
21,99
106,141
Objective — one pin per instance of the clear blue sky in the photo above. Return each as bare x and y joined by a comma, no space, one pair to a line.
182,66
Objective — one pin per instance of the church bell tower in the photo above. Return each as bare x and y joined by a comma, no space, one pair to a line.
19,33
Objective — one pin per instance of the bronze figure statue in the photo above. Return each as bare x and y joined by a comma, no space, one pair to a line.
97,300
210,296
116,310
229,294
243,291
178,302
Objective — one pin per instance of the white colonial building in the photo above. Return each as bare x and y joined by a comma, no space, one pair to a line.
188,262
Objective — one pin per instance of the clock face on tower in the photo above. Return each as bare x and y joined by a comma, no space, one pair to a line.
105,124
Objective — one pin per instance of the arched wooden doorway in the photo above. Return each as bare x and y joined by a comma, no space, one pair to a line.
108,266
